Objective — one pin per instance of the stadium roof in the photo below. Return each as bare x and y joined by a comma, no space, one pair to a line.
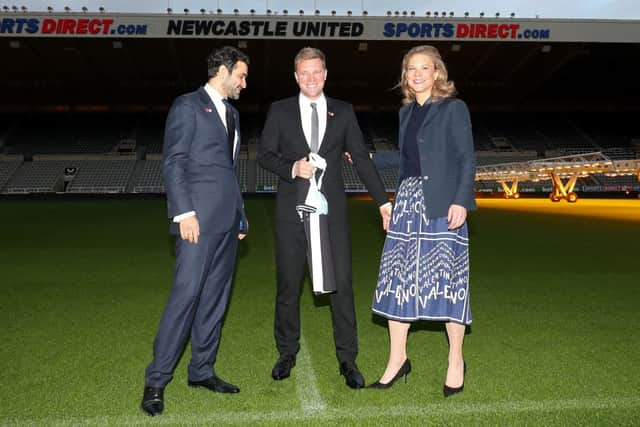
593,9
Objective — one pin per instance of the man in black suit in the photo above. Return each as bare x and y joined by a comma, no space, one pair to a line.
204,202
296,126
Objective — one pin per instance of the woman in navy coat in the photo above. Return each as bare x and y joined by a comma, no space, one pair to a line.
424,267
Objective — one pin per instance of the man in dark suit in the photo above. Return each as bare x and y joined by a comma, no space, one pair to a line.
205,206
296,126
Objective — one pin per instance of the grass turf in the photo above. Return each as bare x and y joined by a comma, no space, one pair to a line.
84,282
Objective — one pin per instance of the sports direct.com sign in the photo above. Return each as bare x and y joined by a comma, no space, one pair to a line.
347,28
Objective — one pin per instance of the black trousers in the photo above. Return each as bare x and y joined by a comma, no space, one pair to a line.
291,263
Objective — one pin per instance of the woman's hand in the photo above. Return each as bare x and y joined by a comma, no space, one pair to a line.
456,216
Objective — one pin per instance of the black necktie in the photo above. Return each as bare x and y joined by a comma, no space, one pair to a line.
231,126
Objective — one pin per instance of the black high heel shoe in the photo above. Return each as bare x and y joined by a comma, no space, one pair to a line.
404,370
450,391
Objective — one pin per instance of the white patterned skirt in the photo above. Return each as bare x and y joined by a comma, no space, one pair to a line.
424,267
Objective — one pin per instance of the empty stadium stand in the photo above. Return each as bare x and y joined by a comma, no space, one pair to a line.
115,154
151,179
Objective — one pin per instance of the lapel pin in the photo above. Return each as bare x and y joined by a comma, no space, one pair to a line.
208,110
330,113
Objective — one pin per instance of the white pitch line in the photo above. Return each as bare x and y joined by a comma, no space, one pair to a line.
311,401
426,411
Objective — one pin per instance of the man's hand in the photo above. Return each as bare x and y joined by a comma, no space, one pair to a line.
246,228
190,229
456,216
347,156
385,212
303,168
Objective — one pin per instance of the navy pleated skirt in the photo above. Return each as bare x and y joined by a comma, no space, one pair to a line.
424,267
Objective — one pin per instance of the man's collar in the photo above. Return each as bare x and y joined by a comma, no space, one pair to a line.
304,100
213,93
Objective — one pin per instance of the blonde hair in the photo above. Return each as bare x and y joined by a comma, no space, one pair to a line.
309,53
442,86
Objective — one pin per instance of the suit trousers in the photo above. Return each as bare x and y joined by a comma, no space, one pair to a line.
291,260
196,307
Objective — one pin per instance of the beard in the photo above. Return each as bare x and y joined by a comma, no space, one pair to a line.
231,89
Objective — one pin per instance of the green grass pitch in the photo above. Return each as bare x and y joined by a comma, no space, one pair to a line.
83,284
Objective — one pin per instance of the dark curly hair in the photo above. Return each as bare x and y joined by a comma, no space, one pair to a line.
227,56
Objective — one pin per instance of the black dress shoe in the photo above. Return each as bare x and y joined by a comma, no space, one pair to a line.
215,384
282,368
353,377
404,370
450,391
152,400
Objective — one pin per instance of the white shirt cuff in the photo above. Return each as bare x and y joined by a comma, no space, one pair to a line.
180,217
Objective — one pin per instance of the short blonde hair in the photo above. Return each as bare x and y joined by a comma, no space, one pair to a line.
442,87
309,53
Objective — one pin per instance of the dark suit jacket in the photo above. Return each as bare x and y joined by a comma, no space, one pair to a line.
447,159
197,166
283,142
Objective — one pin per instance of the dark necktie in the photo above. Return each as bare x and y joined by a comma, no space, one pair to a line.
314,144
231,126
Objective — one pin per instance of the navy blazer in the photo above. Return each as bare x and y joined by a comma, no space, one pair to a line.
447,159
197,166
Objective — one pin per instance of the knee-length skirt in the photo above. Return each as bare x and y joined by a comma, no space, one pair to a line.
424,267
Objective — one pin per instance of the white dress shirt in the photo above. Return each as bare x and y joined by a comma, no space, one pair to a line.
305,119
222,113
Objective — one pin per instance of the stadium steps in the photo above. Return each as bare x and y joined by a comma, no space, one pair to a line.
135,176
252,175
